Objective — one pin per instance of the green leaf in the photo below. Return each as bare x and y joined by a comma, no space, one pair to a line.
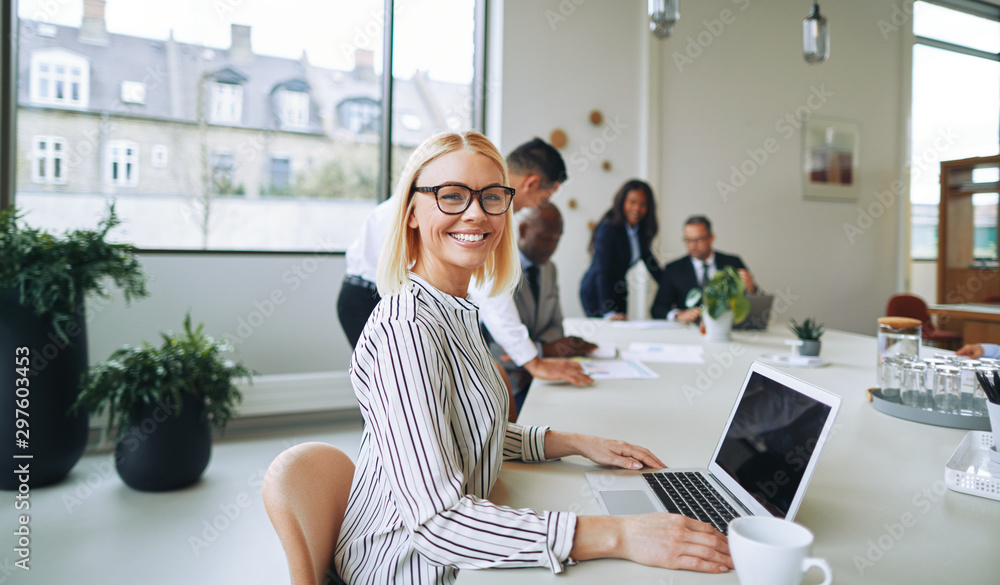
192,363
53,275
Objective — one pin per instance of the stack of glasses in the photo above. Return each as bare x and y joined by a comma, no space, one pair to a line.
944,383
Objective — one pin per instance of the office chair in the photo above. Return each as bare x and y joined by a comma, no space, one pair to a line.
305,495
907,305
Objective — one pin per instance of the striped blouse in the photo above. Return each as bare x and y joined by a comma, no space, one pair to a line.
436,431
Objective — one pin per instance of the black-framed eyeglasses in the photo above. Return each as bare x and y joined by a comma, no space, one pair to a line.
696,240
455,199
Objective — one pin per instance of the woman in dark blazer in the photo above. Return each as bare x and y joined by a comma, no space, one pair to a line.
604,291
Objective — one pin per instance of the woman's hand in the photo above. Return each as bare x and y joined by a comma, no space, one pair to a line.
673,541
600,451
663,540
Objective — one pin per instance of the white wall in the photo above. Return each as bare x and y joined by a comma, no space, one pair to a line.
561,60
743,78
280,310
734,96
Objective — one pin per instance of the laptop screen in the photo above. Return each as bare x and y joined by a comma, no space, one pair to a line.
770,440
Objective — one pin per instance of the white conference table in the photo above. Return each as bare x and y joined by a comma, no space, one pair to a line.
877,503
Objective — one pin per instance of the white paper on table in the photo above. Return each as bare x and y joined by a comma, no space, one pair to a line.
648,324
617,370
604,351
666,353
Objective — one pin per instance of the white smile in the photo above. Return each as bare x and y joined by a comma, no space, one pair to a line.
469,237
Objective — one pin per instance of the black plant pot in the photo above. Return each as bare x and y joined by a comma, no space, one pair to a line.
166,450
55,438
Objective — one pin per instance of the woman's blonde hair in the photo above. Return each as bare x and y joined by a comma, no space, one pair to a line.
401,247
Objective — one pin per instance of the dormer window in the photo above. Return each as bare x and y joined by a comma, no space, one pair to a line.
294,108
360,115
227,103
59,78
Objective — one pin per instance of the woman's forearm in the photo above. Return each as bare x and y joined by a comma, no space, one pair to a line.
596,537
559,444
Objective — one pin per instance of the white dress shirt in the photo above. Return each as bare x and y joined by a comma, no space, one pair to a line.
698,267
436,431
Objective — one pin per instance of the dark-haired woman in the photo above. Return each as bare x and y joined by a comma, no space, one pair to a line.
622,237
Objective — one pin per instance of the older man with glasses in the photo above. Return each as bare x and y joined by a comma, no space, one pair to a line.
693,271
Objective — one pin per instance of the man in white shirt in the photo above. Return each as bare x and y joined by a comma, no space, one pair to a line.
536,170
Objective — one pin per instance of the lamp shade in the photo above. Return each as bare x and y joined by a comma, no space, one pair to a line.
663,14
815,36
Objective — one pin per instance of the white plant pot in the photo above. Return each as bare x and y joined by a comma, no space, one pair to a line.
718,329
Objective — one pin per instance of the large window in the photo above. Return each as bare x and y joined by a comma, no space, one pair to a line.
275,115
956,112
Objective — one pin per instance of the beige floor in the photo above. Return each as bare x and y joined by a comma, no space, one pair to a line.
91,528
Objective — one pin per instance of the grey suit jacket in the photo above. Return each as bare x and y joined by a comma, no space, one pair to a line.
543,317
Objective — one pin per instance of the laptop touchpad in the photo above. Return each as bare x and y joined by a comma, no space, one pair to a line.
628,502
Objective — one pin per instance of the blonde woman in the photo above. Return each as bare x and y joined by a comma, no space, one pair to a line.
435,407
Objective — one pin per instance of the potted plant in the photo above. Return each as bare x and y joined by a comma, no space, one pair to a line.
723,302
809,332
44,280
163,401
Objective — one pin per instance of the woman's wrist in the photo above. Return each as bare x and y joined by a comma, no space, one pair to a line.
559,444
597,537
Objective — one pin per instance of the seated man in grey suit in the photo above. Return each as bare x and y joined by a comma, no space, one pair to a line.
537,299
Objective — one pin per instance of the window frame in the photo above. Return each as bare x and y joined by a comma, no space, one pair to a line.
233,98
53,59
9,106
973,7
116,153
49,155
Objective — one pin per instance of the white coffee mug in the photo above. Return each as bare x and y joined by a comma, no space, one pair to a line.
772,551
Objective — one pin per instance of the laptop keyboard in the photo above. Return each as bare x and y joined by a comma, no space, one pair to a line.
689,494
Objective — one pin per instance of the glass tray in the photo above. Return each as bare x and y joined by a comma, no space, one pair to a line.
893,407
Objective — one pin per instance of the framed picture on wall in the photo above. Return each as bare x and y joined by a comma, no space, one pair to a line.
830,159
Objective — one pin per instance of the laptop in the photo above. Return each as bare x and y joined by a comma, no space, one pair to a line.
761,465
759,315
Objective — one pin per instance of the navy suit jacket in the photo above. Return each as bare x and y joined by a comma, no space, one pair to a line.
678,279
603,288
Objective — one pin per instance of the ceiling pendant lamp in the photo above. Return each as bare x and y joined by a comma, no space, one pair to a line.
663,14
815,36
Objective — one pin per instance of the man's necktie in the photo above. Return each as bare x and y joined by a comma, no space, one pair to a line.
531,275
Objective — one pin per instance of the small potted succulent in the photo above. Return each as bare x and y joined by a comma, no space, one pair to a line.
809,332
723,303
44,281
163,402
